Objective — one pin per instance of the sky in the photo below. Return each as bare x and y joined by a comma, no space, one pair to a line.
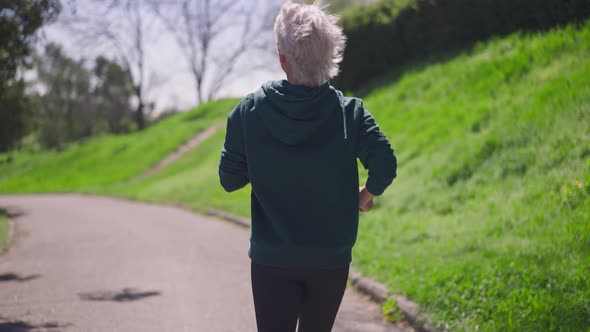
174,87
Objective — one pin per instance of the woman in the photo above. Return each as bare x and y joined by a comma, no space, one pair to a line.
297,142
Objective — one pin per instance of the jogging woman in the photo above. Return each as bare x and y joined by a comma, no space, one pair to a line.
297,142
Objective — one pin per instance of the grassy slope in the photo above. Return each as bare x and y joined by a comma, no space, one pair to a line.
104,160
192,180
488,224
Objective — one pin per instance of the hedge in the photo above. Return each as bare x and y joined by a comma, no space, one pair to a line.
387,34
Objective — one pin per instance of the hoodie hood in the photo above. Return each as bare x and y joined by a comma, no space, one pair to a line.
297,112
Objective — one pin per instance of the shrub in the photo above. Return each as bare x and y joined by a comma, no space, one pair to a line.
386,34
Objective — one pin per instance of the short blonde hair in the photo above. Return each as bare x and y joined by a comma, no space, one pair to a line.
311,40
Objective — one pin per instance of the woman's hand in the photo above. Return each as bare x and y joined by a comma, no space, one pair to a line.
365,199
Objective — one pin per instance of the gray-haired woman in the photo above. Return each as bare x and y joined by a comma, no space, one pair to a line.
297,142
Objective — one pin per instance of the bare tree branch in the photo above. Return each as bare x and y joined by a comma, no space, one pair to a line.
201,26
120,24
250,40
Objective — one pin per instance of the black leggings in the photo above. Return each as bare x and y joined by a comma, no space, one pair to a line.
282,295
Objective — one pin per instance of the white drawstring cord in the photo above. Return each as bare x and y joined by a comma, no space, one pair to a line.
344,118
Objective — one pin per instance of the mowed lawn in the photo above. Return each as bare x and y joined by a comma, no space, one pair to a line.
487,226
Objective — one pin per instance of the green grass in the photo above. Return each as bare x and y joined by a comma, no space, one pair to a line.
102,161
192,180
3,230
487,226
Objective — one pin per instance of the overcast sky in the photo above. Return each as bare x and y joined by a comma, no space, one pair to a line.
164,60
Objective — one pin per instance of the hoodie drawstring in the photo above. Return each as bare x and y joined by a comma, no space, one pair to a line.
344,118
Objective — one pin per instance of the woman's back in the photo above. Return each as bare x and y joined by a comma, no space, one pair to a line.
299,147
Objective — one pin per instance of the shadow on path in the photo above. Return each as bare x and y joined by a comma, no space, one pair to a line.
8,325
125,295
12,212
15,277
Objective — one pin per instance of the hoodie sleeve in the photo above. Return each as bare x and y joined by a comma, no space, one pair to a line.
233,164
376,155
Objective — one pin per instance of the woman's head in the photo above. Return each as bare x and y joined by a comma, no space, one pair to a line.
310,43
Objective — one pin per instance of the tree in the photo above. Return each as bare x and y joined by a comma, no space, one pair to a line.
79,102
16,113
112,94
67,107
19,24
198,25
122,24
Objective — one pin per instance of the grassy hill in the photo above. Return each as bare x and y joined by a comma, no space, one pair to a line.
488,223
105,160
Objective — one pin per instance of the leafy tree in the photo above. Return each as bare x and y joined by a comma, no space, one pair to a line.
66,111
386,35
19,22
125,27
16,113
78,102
112,94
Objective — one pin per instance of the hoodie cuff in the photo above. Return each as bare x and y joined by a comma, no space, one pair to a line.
231,182
374,188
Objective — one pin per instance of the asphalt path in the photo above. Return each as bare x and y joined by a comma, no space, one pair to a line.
84,263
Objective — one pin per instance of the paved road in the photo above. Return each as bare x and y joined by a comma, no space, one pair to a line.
81,263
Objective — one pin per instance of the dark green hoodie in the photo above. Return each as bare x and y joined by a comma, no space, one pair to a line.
298,147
